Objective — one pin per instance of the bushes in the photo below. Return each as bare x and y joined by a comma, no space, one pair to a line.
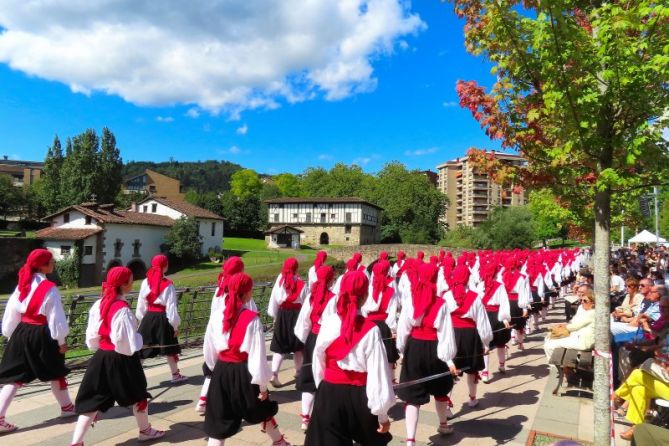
68,269
184,241
506,228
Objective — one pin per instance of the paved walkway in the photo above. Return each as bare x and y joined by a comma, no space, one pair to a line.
511,405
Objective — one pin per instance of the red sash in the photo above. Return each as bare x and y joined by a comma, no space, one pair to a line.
488,295
32,315
338,351
457,316
151,297
237,334
289,303
426,331
105,327
382,313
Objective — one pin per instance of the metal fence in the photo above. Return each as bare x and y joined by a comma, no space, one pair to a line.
194,309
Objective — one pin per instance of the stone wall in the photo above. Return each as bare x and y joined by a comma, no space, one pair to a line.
371,252
336,235
14,252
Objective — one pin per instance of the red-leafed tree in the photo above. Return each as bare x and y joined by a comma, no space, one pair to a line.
581,91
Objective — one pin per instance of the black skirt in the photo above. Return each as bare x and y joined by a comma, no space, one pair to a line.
157,330
206,371
232,398
500,335
111,378
341,416
305,379
32,353
470,350
421,360
536,302
284,339
388,342
517,319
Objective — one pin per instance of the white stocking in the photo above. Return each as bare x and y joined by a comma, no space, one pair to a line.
62,395
273,431
501,356
442,411
520,336
471,384
486,361
307,403
298,357
142,417
277,359
83,423
172,362
544,313
7,394
215,442
411,418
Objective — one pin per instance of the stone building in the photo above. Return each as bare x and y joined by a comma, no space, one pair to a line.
22,173
323,221
153,183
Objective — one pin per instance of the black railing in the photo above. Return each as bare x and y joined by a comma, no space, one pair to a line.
194,309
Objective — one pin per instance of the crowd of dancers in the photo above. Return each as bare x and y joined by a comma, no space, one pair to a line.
436,319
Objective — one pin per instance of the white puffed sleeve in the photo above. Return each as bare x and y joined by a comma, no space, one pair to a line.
254,346
405,323
303,323
548,279
442,285
524,293
501,298
337,285
92,335
330,330
276,298
52,308
391,320
142,303
446,346
213,331
478,314
12,317
380,393
311,276
539,283
171,302
124,333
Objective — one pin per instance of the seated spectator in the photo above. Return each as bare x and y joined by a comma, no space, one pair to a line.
617,282
649,306
581,329
630,305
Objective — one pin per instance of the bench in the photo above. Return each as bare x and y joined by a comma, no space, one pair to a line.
579,360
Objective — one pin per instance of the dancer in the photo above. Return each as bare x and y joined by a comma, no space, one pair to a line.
398,265
158,313
35,323
351,371
314,309
537,290
231,266
114,373
321,257
381,308
496,303
425,336
238,389
471,329
518,291
284,307
353,264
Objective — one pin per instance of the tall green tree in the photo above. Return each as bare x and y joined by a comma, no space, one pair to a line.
506,228
245,183
289,185
549,218
110,168
581,92
184,240
9,195
80,179
48,188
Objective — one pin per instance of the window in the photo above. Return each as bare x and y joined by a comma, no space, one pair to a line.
332,216
294,215
65,250
66,217
88,250
213,229
154,208
145,208
347,229
89,220
308,220
276,218
152,189
348,217
322,218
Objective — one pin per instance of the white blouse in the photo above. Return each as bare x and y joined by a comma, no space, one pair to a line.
446,347
52,308
522,288
123,333
253,345
499,297
279,296
311,276
168,298
303,323
442,284
478,314
368,355
370,306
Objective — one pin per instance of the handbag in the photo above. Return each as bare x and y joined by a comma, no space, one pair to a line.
559,331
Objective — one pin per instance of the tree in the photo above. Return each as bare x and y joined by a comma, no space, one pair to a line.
110,168
581,92
183,239
664,218
506,228
69,269
80,178
243,216
549,218
289,185
48,191
9,195
245,183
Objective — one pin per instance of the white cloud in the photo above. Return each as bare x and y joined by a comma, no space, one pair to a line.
324,157
421,152
243,130
362,161
219,56
232,150
449,104
404,45
164,119
193,113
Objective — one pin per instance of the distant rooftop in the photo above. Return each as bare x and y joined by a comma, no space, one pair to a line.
500,155
7,162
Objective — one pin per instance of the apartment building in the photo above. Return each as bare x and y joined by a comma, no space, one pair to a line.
472,194
153,183
22,173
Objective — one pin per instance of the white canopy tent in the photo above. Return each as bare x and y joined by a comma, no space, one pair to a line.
645,236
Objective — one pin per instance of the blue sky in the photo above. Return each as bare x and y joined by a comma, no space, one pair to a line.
407,112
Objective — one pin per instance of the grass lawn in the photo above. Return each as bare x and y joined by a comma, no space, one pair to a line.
5,233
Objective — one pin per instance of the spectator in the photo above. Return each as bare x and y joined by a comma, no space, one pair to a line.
649,306
617,282
630,305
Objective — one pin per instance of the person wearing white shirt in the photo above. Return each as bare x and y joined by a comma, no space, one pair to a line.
114,373
35,323
321,257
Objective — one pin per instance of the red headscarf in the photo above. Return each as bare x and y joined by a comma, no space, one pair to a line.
424,292
434,260
383,255
459,280
488,273
321,257
231,267
319,289
288,273
354,287
420,255
351,265
154,275
442,254
239,285
36,259
400,258
111,288
381,279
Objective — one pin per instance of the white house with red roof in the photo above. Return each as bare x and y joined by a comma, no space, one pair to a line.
108,237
